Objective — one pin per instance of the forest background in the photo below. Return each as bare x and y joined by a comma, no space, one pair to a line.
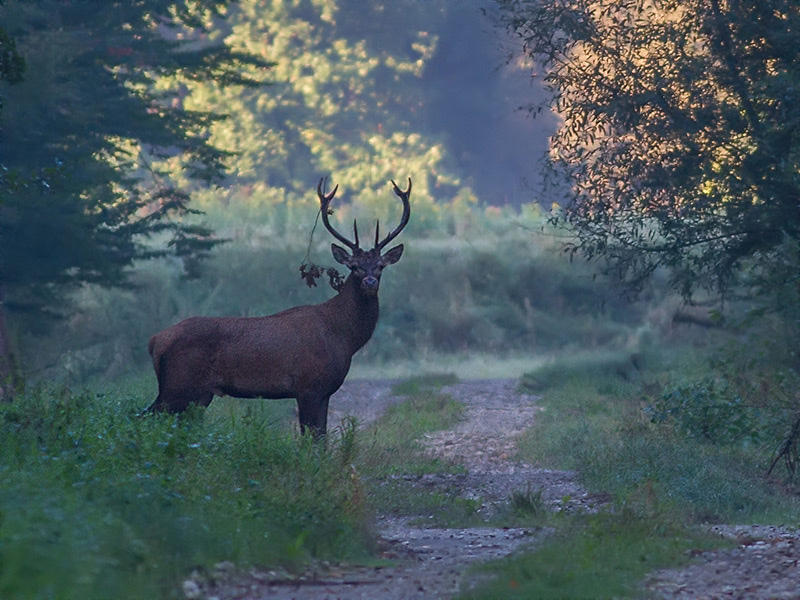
160,159
365,96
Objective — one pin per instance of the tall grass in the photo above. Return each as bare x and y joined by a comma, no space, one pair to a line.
496,285
97,502
598,423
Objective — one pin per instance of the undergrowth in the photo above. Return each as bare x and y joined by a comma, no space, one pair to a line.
97,502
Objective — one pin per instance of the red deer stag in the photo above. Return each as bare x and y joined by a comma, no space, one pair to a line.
301,353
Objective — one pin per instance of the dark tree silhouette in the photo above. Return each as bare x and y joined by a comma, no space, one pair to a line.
680,134
83,126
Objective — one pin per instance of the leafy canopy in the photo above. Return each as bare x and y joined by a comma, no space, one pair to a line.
680,133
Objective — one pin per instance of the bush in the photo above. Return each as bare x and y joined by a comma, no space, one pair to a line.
710,411
747,396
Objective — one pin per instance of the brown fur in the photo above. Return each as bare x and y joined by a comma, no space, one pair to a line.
302,353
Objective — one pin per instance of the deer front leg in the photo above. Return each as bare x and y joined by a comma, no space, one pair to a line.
312,413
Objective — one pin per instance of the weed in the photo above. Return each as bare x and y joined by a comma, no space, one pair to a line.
527,502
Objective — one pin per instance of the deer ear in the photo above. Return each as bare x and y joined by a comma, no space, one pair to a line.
393,255
340,255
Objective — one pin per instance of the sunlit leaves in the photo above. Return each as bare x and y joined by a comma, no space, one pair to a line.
679,130
346,99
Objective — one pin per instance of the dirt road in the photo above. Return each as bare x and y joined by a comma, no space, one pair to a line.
432,562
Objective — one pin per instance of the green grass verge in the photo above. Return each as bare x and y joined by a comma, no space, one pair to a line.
391,457
96,502
598,425
594,556
391,445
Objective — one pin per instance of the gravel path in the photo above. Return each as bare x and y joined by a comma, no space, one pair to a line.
431,563
765,565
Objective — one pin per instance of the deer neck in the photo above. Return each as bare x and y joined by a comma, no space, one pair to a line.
354,314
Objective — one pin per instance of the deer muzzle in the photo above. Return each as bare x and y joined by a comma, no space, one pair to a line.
369,285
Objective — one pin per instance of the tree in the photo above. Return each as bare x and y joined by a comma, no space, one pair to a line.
349,99
679,135
84,128
12,65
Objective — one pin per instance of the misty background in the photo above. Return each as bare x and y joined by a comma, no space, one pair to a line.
363,93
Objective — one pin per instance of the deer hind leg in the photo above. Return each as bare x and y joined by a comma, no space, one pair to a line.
178,402
312,413
178,388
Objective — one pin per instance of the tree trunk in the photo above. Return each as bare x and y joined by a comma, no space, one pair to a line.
8,374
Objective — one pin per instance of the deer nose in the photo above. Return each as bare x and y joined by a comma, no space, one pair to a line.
369,282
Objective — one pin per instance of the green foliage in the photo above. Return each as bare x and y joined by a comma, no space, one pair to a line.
346,99
678,136
493,292
660,484
97,502
83,131
749,399
651,469
710,411
594,556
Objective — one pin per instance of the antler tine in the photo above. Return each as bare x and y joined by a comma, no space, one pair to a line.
403,195
355,231
324,201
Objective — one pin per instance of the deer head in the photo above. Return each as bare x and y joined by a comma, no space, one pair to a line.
365,265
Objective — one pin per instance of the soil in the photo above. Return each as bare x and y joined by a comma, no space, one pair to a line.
434,562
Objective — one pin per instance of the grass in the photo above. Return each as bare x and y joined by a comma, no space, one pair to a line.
97,502
593,556
391,445
663,484
598,425
392,459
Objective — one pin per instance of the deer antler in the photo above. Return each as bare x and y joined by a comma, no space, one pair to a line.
403,195
324,201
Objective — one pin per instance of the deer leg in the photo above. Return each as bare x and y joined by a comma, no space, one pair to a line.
178,402
313,415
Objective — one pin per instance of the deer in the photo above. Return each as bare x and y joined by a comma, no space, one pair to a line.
302,353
